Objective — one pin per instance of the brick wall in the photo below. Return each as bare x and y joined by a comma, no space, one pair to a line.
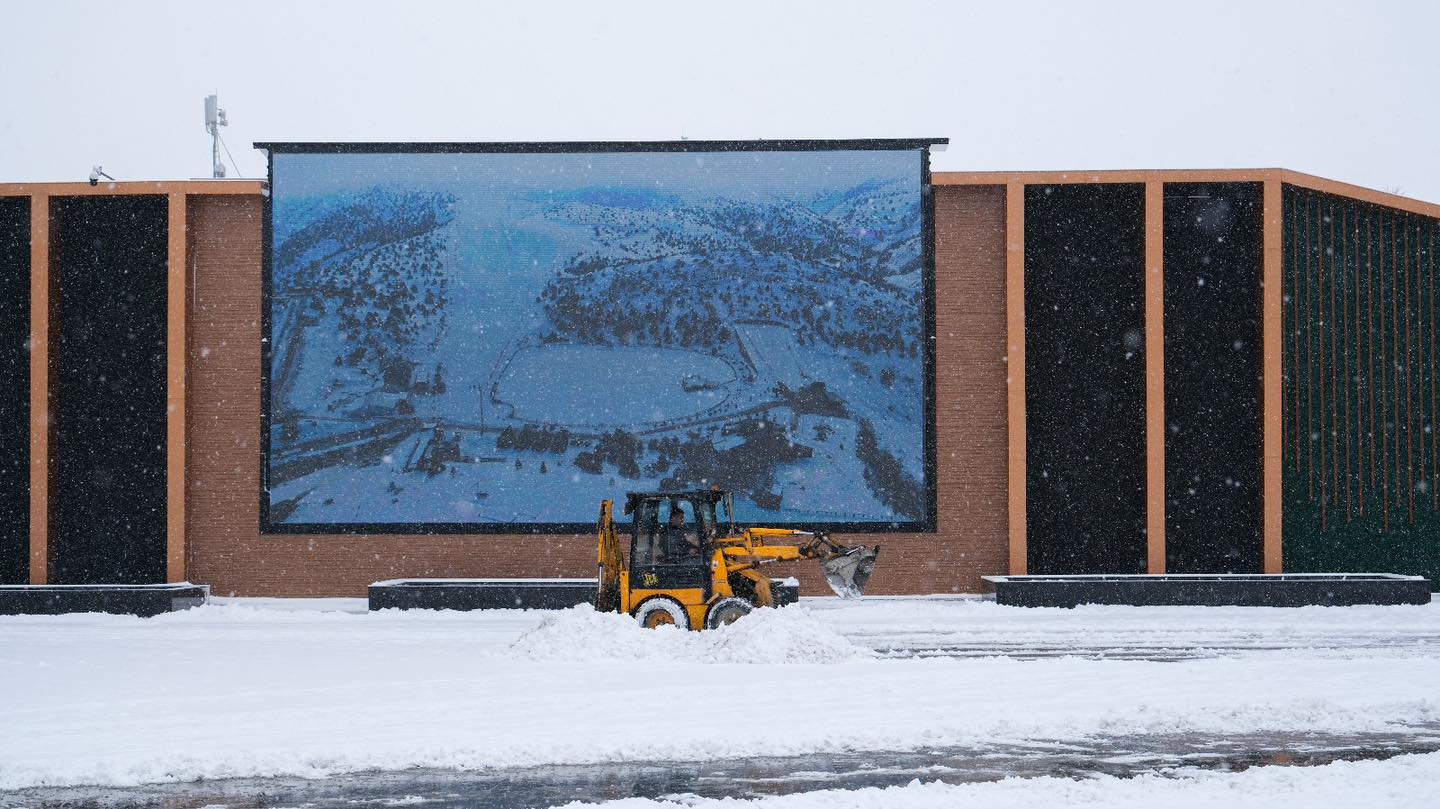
225,549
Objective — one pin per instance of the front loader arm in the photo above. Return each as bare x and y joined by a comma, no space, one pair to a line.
780,545
743,558
847,567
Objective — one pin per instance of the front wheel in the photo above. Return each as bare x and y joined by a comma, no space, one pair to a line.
662,611
727,611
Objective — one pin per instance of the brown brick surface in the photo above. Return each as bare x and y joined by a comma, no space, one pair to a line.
225,549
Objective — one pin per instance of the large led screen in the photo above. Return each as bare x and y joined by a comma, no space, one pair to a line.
497,337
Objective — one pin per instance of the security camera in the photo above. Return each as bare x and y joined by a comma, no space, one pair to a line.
96,173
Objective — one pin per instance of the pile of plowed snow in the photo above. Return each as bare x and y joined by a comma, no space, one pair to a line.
789,635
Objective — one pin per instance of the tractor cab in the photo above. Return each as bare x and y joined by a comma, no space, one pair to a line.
672,538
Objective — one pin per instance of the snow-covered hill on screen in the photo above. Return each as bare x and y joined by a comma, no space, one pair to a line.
510,345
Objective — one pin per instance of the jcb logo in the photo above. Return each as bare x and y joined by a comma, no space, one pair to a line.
650,580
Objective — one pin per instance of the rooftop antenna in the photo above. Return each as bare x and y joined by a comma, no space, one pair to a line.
214,119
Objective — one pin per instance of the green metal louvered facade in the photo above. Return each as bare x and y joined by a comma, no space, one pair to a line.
1360,387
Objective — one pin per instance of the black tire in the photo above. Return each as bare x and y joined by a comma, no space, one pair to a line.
727,611
660,611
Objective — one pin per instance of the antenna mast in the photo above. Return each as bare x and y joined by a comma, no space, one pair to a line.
214,119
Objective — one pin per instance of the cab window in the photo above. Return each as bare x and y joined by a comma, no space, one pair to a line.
678,538
647,535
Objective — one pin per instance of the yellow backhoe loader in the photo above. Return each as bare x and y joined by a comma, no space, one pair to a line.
687,569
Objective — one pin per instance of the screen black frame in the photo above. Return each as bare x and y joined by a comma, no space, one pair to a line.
927,212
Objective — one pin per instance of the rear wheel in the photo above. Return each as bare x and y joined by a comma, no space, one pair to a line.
662,611
727,611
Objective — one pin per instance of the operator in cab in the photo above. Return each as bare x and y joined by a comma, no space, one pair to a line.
675,544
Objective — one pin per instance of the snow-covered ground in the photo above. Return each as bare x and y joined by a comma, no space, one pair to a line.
641,385
254,687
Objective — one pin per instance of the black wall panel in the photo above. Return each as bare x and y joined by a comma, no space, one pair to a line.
108,389
14,390
1213,364
1085,378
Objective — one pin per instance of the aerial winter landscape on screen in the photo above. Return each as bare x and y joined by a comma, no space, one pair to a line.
468,338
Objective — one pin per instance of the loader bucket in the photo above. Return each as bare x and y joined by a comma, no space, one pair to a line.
847,571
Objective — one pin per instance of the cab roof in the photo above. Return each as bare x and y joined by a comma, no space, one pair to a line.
691,494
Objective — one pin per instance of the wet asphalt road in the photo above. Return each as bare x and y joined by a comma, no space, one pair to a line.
534,787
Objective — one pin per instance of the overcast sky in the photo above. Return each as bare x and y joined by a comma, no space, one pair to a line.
1344,90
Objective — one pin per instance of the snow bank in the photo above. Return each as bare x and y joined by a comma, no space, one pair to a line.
1397,783
582,635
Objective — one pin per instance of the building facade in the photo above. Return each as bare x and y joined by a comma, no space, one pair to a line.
1136,371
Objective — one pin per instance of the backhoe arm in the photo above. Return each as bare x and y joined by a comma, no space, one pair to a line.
611,562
